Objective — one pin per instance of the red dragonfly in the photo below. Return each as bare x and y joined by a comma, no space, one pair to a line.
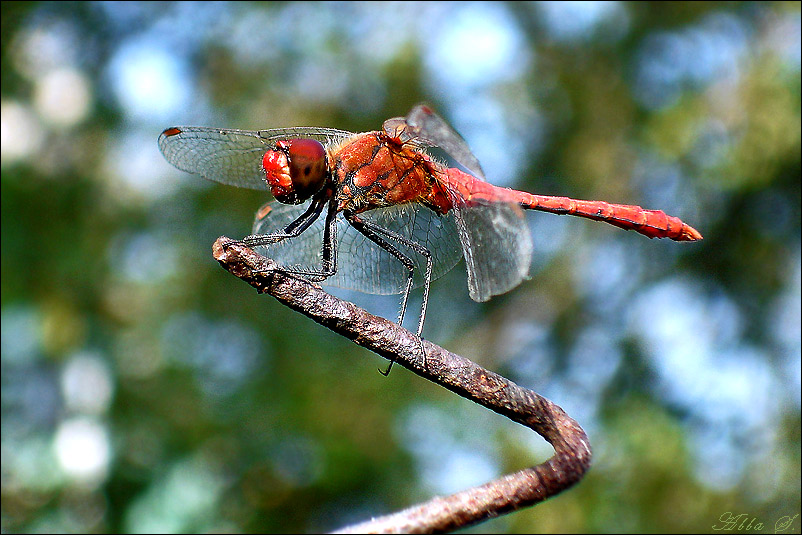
406,219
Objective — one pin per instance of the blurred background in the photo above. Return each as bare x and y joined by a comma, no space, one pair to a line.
144,389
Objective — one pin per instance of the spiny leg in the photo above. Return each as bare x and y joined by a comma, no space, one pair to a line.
377,234
294,229
297,227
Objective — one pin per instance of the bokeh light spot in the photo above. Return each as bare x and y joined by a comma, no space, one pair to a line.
63,97
21,134
86,384
149,81
83,449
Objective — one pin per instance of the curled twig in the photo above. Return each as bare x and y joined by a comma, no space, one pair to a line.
572,450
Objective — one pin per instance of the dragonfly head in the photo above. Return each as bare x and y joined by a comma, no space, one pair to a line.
295,170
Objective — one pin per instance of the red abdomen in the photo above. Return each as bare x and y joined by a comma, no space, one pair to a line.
651,223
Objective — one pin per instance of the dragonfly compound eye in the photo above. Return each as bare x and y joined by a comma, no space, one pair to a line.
307,159
296,170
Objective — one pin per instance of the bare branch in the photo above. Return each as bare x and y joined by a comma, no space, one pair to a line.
458,374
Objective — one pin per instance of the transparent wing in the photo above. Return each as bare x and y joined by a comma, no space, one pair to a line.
423,125
361,264
230,156
493,233
497,246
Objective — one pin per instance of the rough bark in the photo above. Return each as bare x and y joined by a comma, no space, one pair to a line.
440,514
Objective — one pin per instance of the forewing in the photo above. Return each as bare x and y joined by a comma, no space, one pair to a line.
230,156
362,264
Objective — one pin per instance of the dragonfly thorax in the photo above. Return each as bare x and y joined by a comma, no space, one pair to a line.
295,170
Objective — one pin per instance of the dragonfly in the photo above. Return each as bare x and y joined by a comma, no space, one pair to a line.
394,217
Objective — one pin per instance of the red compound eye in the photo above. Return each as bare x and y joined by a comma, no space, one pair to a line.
307,159
296,170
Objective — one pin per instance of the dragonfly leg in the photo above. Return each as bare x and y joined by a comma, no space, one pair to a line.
381,236
293,229
303,222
